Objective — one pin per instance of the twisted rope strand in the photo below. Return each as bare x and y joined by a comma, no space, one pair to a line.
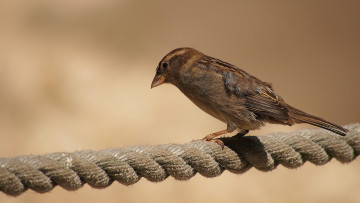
182,161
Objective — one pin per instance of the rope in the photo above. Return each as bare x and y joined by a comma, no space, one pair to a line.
127,165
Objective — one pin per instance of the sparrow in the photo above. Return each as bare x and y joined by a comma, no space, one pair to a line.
230,94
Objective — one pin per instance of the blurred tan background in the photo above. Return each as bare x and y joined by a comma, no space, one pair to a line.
76,75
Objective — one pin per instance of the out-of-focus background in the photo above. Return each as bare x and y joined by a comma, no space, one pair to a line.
76,75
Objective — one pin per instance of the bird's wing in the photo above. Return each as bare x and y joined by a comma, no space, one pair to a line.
258,95
266,103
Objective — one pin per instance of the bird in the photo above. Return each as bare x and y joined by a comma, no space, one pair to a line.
230,94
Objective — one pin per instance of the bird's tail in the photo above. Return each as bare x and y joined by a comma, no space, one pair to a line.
302,117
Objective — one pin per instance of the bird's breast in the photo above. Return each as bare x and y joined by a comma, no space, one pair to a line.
207,91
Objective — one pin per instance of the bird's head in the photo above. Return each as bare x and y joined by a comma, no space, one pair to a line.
169,67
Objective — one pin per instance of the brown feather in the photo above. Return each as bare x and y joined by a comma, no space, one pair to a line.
265,106
302,117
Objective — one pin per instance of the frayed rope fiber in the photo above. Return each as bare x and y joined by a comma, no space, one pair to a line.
127,165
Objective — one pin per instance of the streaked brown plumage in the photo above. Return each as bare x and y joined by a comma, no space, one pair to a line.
230,94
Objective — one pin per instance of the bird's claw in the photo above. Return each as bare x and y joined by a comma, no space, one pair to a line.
210,138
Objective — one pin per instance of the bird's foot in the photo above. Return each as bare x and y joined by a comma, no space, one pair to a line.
211,138
217,141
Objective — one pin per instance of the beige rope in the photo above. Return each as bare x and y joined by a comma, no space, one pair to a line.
181,161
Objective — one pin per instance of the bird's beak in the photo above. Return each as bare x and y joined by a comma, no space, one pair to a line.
158,80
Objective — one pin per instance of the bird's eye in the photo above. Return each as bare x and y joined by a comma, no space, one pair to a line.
165,65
